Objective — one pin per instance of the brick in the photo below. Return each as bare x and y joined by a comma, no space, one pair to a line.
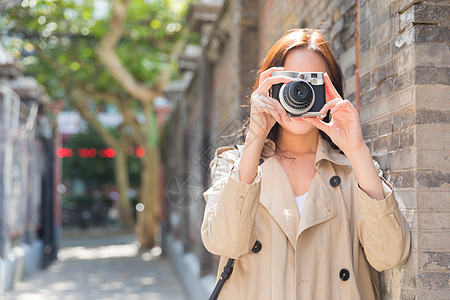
386,106
433,200
424,14
430,33
435,220
346,5
350,71
407,294
404,119
381,144
350,88
431,75
438,160
384,52
434,240
431,260
406,198
407,139
434,280
364,45
397,47
433,178
432,54
405,38
367,62
364,81
384,161
385,127
404,160
383,32
433,137
432,97
427,294
380,74
365,28
400,6
403,81
368,97
406,60
402,179
403,277
392,67
428,116
369,130
385,88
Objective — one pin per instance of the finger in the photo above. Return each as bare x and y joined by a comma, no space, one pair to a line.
330,89
329,105
268,82
344,105
277,105
318,124
268,73
267,108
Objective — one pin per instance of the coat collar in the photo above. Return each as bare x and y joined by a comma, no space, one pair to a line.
278,197
324,152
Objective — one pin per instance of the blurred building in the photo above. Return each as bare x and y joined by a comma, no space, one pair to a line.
404,85
28,218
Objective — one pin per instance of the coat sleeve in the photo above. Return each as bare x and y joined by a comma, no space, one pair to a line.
383,231
228,226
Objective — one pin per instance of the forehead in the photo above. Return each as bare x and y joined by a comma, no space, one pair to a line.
305,60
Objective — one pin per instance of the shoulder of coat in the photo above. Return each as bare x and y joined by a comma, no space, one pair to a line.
227,150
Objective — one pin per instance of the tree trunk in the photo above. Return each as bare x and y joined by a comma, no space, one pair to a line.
147,228
123,185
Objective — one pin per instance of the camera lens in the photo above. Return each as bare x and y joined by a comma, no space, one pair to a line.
298,95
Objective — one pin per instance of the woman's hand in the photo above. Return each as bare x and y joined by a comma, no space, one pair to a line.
345,131
264,110
344,128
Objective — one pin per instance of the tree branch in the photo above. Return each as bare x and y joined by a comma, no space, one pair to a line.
92,119
129,116
109,58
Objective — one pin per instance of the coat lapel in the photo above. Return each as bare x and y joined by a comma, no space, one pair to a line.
278,198
319,205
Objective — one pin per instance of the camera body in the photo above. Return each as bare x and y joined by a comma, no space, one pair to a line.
304,96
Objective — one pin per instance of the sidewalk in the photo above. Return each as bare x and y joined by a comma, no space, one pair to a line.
107,267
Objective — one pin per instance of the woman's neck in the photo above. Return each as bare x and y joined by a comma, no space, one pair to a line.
298,144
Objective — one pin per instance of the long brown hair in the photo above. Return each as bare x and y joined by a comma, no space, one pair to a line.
311,39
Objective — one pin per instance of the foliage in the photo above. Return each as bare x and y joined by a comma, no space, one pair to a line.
57,40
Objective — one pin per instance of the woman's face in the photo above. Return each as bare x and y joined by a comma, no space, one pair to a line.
302,60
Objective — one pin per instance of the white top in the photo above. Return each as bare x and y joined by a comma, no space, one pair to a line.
301,202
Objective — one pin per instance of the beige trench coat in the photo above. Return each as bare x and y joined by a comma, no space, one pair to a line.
332,252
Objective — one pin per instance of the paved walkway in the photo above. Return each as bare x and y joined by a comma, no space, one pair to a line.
102,268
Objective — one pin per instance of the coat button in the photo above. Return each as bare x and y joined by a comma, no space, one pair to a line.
344,274
335,181
257,247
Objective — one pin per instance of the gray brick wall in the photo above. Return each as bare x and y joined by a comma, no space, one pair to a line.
404,88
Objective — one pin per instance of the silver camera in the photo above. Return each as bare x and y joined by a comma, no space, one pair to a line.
304,96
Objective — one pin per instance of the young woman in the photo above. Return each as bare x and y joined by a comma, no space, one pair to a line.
301,206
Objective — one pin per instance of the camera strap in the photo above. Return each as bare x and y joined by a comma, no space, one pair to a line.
227,270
